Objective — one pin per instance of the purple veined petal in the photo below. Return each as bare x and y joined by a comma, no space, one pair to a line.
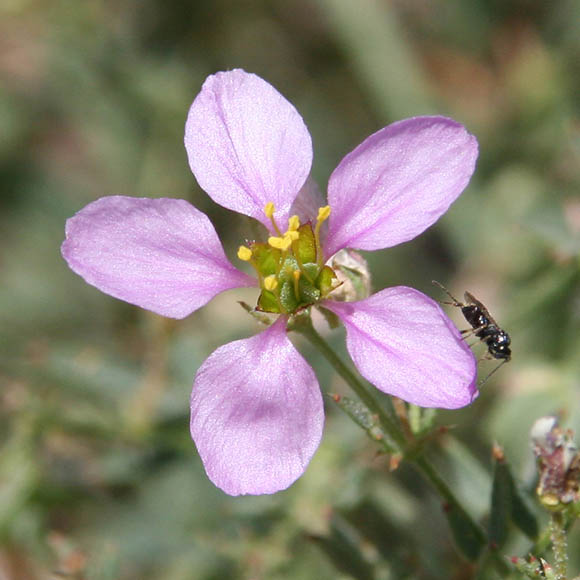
403,343
398,182
247,145
161,254
256,413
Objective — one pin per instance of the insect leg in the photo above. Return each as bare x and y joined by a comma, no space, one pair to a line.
483,381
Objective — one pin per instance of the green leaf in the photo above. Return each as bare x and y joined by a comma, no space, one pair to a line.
522,515
501,504
466,536
361,415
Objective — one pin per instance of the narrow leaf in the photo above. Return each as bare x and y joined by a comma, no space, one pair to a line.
501,504
343,548
522,515
467,538
360,414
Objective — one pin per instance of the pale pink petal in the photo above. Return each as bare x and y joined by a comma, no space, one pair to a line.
247,145
161,254
403,343
256,414
398,182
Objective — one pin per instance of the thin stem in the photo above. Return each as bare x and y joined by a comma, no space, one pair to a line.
429,471
542,544
559,545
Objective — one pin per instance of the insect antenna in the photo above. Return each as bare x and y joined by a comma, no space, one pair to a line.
455,301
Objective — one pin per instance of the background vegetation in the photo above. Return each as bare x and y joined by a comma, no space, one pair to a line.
98,476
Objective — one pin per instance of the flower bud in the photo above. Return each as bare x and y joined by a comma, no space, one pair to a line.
352,272
558,464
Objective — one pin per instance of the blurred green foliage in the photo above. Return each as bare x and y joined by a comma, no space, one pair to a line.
98,476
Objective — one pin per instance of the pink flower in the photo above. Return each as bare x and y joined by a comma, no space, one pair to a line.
256,409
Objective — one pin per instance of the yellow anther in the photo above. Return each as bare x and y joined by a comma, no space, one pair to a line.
293,223
281,243
269,210
276,242
286,243
323,213
291,235
244,253
270,283
296,274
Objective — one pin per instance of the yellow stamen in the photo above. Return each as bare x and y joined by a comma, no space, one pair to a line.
296,275
286,243
270,283
293,223
244,253
269,210
291,235
323,213
281,243
276,242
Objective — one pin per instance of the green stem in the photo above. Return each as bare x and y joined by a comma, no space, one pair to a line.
559,545
542,544
428,470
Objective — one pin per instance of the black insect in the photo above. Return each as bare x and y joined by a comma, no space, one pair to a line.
483,326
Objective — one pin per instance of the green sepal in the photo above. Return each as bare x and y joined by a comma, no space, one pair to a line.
308,293
501,504
306,244
265,258
312,270
267,302
288,296
325,279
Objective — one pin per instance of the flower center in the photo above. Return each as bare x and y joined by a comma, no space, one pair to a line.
290,265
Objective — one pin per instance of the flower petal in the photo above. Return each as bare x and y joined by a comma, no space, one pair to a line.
403,343
161,254
247,145
256,413
398,182
307,202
